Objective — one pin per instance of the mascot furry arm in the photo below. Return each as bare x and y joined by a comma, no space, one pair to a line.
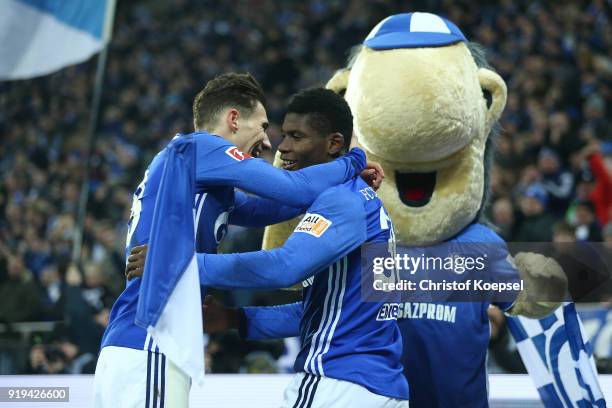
543,279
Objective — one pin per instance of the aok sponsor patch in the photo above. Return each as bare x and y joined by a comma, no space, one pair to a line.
313,224
236,154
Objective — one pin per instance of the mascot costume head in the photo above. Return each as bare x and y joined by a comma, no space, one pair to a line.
425,106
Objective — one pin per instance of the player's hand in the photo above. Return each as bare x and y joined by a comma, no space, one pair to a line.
136,262
373,175
218,318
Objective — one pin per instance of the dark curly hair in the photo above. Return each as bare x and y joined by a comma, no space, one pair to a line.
327,112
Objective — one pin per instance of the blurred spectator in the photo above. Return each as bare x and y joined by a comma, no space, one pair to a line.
587,226
557,182
19,294
601,192
529,176
536,224
47,359
52,288
77,362
561,140
563,233
86,307
503,218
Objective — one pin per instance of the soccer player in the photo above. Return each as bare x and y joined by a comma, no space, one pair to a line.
229,116
439,375
348,357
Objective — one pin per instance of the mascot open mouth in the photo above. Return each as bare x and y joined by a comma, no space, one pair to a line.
415,189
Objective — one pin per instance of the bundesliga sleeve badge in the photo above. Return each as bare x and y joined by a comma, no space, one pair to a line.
236,154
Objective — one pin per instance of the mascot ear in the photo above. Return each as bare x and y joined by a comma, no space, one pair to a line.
495,85
339,81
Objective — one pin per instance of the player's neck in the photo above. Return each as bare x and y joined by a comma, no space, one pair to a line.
219,131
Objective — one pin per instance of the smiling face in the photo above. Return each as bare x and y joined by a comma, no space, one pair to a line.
314,128
314,131
302,146
251,136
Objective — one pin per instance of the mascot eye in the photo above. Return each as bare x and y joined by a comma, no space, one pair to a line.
488,97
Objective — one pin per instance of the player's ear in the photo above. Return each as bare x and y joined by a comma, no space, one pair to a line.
335,144
231,119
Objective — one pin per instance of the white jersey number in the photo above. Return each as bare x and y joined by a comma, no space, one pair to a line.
386,224
136,209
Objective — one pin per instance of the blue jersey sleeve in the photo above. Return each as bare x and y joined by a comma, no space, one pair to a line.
253,211
271,322
218,162
501,264
333,226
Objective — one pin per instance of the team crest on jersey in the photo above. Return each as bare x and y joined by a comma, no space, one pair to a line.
313,224
236,154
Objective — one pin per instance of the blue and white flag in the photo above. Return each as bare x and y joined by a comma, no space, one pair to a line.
558,359
597,322
39,37
169,303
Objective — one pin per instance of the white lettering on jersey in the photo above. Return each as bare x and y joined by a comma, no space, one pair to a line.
136,208
388,311
368,193
431,311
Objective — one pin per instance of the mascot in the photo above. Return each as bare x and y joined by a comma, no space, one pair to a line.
426,105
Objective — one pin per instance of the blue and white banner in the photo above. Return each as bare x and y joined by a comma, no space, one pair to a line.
558,359
169,302
39,37
597,322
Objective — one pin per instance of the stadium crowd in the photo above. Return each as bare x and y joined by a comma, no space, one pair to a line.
551,178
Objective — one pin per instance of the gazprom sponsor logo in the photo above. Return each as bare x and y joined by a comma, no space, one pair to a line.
431,311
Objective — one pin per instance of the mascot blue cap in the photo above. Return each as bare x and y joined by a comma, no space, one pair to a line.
413,30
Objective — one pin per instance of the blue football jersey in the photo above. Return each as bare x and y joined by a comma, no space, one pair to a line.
445,343
220,167
341,336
